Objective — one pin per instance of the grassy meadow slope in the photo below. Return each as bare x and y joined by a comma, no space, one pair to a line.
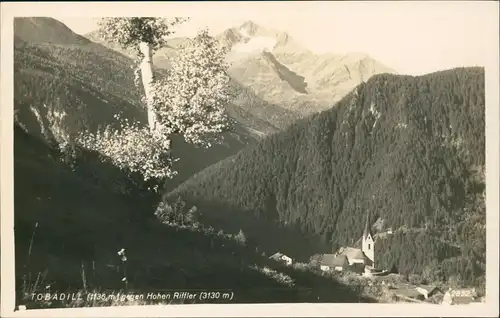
71,217
68,230
409,150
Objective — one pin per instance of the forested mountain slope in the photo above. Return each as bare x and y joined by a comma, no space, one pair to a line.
71,213
85,82
408,150
59,73
46,30
247,108
68,229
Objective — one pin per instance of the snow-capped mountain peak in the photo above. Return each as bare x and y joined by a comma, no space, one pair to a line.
247,40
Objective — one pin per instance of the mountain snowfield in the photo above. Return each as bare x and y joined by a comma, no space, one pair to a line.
250,45
281,72
271,62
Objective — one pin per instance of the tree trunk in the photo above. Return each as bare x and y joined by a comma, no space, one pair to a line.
147,81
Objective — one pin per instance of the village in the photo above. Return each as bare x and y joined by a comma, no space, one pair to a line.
360,262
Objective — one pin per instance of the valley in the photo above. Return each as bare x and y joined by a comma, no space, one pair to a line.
315,182
323,148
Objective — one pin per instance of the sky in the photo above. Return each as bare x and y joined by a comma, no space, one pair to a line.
411,37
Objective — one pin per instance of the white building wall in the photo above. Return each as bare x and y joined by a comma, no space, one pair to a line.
356,261
368,247
287,260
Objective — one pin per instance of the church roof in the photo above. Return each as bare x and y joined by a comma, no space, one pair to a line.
352,253
333,260
340,260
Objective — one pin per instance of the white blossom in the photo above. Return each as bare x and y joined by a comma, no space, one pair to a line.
144,35
191,101
130,31
133,149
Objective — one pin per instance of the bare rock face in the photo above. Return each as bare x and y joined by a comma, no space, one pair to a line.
283,72
285,77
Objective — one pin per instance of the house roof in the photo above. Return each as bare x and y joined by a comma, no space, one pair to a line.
408,292
276,255
279,256
340,260
428,288
333,260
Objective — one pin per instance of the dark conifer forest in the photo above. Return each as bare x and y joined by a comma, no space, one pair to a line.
74,211
408,150
406,153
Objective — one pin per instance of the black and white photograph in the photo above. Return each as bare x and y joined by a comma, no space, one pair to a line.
250,153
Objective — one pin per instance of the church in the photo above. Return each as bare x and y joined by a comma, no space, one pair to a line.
353,259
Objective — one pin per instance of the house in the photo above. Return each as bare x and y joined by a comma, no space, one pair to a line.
459,296
428,291
408,293
333,262
280,257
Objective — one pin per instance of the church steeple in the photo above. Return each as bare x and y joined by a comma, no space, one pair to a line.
368,243
367,232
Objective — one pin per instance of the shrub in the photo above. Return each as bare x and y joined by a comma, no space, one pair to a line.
164,213
240,238
415,279
277,276
177,214
302,266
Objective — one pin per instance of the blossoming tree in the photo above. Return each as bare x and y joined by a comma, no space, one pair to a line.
189,102
144,34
